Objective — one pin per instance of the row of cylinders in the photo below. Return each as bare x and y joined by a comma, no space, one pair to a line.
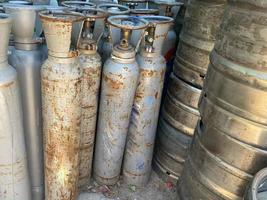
70,87
212,126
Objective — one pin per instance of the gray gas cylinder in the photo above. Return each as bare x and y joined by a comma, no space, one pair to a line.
27,58
91,65
105,44
145,112
61,77
119,81
14,174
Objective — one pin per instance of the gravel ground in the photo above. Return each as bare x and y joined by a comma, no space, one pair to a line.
155,190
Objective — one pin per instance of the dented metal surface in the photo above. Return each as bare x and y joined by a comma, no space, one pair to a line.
230,144
119,81
14,174
201,24
145,112
61,97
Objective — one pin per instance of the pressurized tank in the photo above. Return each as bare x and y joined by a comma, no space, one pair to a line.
106,42
144,118
14,175
91,65
119,81
61,77
27,58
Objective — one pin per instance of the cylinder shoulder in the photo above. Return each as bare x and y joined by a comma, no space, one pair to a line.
156,62
115,67
90,60
61,69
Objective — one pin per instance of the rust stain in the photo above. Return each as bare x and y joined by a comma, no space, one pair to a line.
8,84
114,84
148,73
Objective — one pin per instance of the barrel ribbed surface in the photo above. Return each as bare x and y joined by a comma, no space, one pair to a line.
230,142
179,113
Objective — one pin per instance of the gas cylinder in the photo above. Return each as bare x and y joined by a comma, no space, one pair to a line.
91,65
14,175
169,46
61,98
119,82
144,118
27,58
135,4
78,4
146,11
105,44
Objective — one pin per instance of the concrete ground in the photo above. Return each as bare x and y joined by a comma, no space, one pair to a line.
155,190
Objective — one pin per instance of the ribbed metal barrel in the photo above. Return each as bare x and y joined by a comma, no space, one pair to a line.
179,116
201,24
258,187
230,144
180,108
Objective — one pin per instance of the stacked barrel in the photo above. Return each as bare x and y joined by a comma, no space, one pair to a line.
179,114
230,143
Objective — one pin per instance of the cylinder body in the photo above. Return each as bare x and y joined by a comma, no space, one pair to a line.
14,176
144,118
229,147
28,65
119,82
91,66
61,99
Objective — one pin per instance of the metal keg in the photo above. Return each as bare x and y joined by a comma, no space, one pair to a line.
119,82
180,107
258,187
27,58
61,78
170,152
14,173
179,115
229,147
201,24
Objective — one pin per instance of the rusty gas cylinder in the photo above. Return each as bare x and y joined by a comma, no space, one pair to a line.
91,65
145,112
14,174
61,96
119,82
